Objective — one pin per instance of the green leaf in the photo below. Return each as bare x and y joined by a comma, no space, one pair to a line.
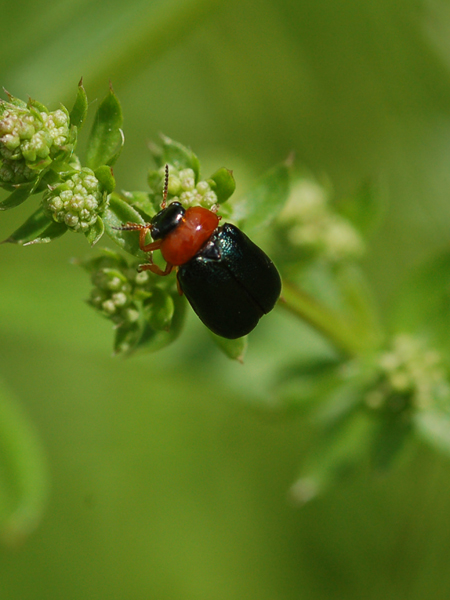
358,302
52,232
32,227
333,456
390,436
106,137
141,202
108,258
301,387
365,208
40,108
346,399
223,184
174,153
161,311
433,426
13,100
259,207
23,472
95,232
153,340
114,157
117,214
126,339
80,108
423,306
19,195
146,338
234,349
105,176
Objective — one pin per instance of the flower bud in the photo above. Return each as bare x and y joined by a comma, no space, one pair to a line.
140,306
77,201
30,139
181,188
310,224
412,375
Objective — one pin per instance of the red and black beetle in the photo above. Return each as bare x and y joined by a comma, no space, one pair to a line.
228,280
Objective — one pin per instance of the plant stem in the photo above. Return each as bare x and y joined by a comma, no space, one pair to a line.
330,324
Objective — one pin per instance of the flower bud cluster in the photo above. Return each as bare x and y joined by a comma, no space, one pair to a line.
77,201
182,188
410,374
116,293
29,140
312,225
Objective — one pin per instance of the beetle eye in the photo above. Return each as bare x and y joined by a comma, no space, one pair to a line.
166,220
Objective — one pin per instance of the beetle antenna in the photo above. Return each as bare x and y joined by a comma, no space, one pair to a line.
166,186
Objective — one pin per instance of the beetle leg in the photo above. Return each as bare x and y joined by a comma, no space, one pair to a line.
143,230
150,266
147,247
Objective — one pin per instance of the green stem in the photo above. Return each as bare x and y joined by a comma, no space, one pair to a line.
330,324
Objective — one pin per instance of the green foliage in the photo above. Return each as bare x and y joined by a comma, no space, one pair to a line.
169,471
224,184
261,204
19,195
80,108
234,349
147,314
175,154
106,138
366,397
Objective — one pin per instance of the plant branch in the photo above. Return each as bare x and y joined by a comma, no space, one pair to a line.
330,324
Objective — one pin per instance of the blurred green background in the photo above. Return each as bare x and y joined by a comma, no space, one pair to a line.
168,477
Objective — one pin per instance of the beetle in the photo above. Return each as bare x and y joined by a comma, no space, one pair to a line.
228,280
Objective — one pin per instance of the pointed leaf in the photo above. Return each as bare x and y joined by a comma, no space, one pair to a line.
107,260
259,207
346,399
151,340
52,232
40,108
223,184
301,387
234,349
114,157
141,202
162,310
117,214
18,196
126,339
106,136
181,157
333,456
15,101
106,179
79,110
95,232
32,227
